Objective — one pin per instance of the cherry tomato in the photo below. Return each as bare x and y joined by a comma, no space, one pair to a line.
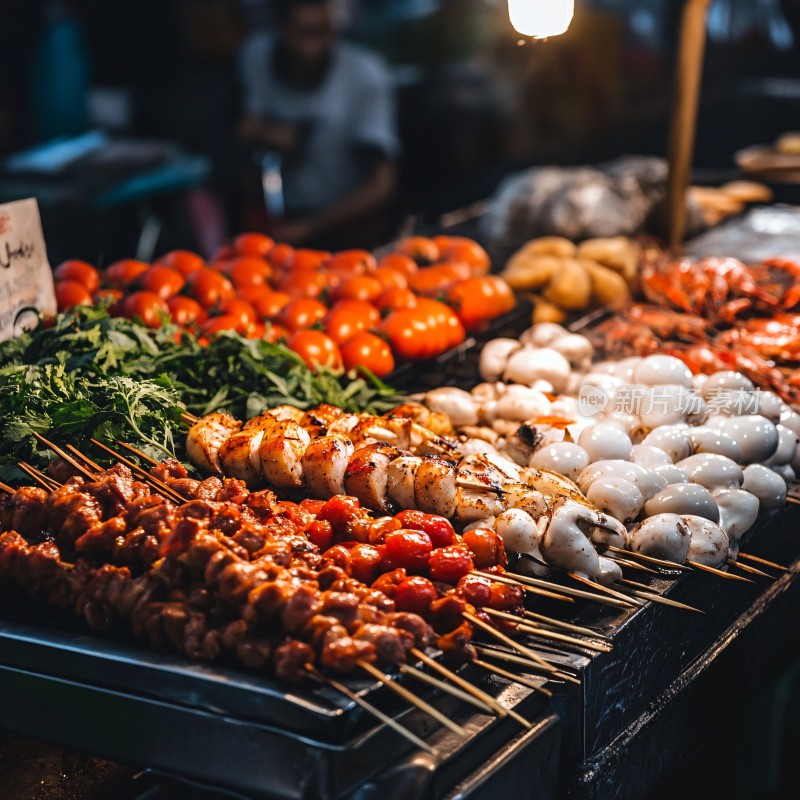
281,256
121,274
226,322
72,293
390,278
429,314
505,597
419,248
253,244
395,300
270,305
476,589
303,283
368,351
339,554
435,280
209,287
305,260
302,314
248,271
312,506
358,262
438,528
242,310
320,533
316,349
486,547
149,307
184,261
415,595
450,332
408,334
365,562
80,272
460,248
408,549
164,281
349,317
389,581
477,300
399,263
339,511
109,298
253,292
450,564
185,311
362,287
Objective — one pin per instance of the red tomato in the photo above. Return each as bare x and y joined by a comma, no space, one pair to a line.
362,287
253,244
439,529
209,287
253,292
248,271
316,349
184,261
486,547
459,248
477,300
365,562
369,351
408,334
164,281
399,263
185,311
435,280
349,317
395,300
146,306
302,314
339,511
303,283
121,274
358,262
505,597
226,322
72,293
320,533
419,248
390,278
442,318
450,564
476,590
415,595
270,305
312,506
389,581
408,549
305,260
281,256
242,310
80,272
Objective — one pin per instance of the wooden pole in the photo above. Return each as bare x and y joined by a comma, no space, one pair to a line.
691,48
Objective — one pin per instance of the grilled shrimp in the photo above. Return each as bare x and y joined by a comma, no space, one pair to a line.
206,437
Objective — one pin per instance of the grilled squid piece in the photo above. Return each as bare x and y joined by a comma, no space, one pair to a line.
766,485
522,534
683,498
712,471
280,453
238,456
324,464
206,437
709,543
435,487
367,475
477,495
617,497
402,475
566,458
610,572
738,511
664,536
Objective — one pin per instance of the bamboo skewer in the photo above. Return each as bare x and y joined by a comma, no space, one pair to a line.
625,562
502,655
599,586
453,691
86,460
4,487
664,601
567,626
479,694
131,449
537,630
718,572
367,706
532,589
510,676
43,480
659,562
66,456
750,570
410,697
507,640
763,561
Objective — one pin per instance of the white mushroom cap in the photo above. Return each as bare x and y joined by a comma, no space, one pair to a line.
520,403
530,364
494,357
544,334
455,403
725,381
786,471
576,349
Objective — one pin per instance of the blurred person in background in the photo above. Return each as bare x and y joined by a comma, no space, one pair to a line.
326,107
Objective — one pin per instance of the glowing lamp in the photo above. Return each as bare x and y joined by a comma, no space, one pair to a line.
541,18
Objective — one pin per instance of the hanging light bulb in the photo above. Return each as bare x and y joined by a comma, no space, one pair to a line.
541,18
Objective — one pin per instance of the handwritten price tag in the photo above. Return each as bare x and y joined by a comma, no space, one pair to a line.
26,280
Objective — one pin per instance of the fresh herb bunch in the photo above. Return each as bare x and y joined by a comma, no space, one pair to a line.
95,375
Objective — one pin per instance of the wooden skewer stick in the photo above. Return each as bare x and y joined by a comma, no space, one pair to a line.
792,499
453,691
369,708
410,697
536,630
131,449
567,626
527,652
763,561
157,484
480,487
4,487
190,418
67,457
524,580
510,676
664,601
43,480
659,562
626,562
601,588
718,572
502,655
750,570
479,694
532,589
85,459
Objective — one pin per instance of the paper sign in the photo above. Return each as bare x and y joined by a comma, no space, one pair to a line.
26,280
